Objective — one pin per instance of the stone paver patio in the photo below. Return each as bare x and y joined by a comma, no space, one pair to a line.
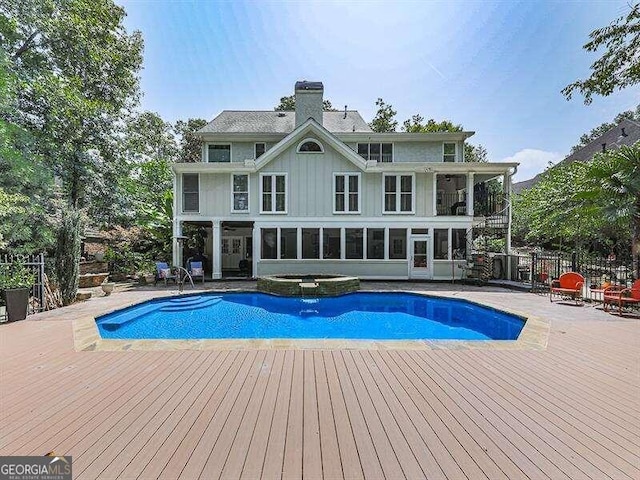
569,410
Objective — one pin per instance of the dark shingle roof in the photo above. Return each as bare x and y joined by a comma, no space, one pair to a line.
613,139
231,121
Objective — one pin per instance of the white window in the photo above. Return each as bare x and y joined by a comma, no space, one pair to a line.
219,152
398,193
448,152
190,192
310,145
346,193
258,149
380,152
273,193
240,192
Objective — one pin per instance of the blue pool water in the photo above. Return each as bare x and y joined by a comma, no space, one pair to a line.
371,316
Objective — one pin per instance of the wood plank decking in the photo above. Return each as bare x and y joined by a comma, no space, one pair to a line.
569,412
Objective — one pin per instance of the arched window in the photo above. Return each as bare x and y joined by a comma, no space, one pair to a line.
309,145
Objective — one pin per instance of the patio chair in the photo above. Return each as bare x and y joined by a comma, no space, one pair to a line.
196,270
617,295
568,285
164,273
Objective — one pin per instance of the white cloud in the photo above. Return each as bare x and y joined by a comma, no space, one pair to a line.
532,162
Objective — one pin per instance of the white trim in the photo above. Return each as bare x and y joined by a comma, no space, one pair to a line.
219,143
233,210
425,272
347,192
312,140
455,155
255,154
311,126
398,194
273,193
182,210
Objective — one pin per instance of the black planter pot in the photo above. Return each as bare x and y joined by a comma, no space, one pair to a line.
17,300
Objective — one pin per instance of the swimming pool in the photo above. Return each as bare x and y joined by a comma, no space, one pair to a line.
362,315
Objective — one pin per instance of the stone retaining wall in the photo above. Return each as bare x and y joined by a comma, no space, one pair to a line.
290,287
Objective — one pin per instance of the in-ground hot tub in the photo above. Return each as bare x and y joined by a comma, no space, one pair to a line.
308,285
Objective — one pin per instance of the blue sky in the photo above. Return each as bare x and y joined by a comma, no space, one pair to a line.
495,67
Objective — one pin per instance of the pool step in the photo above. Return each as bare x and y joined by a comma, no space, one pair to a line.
127,316
188,299
207,302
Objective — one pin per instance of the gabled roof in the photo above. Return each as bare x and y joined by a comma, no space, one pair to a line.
612,139
267,121
311,126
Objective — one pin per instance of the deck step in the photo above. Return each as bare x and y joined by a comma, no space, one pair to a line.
191,306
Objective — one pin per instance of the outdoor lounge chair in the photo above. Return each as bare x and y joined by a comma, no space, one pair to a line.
617,295
568,285
164,273
196,270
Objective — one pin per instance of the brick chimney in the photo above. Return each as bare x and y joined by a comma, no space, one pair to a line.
309,102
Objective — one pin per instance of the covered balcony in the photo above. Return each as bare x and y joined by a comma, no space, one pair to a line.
452,198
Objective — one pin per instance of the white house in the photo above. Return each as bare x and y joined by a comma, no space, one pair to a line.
313,192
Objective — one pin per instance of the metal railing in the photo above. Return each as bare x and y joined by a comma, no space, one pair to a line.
538,269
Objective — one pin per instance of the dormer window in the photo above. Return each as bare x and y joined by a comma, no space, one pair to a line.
310,145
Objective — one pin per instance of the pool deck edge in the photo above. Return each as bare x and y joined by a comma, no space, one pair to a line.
534,336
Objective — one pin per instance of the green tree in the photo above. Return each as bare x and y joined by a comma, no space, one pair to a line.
385,119
551,213
25,185
612,187
475,153
78,73
289,104
415,125
619,65
150,148
190,145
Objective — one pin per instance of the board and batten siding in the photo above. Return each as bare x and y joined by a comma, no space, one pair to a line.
309,189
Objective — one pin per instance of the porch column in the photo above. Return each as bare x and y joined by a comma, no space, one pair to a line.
176,250
216,250
255,254
435,194
507,199
176,222
470,185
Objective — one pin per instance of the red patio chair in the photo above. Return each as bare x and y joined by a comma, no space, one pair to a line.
568,285
617,295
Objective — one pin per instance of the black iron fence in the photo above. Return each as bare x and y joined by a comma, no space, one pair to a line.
539,268
484,205
35,263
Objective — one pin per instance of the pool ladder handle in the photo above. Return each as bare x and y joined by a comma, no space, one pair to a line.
180,279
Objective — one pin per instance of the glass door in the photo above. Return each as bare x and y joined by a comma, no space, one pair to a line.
419,259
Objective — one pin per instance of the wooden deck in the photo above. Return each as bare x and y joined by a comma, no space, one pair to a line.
570,412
